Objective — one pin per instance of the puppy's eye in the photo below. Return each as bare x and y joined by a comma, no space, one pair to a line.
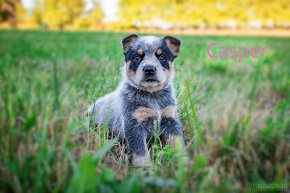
162,58
137,59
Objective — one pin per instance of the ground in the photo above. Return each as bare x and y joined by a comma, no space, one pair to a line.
235,117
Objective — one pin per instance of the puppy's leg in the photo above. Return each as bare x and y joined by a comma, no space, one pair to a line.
171,128
136,132
141,159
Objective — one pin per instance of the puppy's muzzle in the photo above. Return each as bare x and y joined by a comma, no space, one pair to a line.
149,71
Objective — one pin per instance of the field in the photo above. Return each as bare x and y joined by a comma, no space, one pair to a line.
235,117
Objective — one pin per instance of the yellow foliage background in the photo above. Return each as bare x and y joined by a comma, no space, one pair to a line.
156,14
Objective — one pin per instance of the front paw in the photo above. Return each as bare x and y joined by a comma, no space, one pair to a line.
139,160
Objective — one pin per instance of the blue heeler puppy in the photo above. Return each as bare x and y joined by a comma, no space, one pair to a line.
144,96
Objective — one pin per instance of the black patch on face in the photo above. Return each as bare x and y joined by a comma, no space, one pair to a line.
135,58
165,57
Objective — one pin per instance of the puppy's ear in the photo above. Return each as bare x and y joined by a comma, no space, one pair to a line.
173,44
127,42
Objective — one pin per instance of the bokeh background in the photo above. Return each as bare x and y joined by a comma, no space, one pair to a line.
154,14
58,56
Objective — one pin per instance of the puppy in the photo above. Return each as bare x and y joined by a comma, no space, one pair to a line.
145,98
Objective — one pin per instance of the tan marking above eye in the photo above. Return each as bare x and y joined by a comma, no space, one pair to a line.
159,52
140,52
143,113
169,112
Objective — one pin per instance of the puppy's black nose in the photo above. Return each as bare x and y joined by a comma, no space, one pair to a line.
149,70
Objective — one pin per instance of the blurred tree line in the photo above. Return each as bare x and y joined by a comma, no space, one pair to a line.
9,10
52,14
205,14
164,14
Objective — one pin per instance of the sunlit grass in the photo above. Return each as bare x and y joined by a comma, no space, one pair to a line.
235,117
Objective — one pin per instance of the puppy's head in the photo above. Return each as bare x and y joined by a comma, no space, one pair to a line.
149,60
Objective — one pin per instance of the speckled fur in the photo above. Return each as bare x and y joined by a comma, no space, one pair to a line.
130,111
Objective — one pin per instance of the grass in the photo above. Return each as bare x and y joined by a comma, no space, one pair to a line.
235,117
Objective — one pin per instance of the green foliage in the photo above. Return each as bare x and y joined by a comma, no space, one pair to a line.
85,177
235,117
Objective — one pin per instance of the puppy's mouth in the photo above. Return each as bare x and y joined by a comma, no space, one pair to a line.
150,80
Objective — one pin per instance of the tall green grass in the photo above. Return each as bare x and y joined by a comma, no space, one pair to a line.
235,117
